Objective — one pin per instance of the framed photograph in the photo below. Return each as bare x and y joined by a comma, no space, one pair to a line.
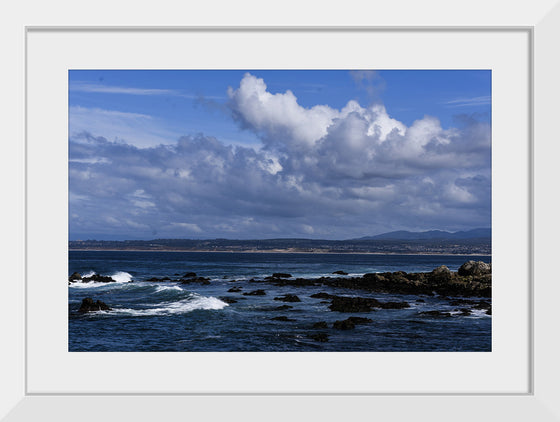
492,80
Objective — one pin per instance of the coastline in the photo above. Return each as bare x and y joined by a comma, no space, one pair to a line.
185,304
278,251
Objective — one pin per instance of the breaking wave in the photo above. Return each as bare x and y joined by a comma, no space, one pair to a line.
192,303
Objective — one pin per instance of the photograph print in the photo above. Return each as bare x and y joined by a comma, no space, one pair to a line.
279,210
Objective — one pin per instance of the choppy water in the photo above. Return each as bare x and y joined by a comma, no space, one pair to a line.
169,316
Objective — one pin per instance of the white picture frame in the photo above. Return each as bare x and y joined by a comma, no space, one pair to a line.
538,403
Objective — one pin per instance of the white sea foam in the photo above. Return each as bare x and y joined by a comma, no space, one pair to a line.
82,285
479,313
190,304
121,277
167,288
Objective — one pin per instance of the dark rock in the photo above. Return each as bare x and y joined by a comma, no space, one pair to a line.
322,295
321,324
464,311
299,282
288,298
98,278
350,323
359,320
344,325
339,272
227,299
282,318
393,305
189,275
281,275
420,301
442,273
353,304
165,279
442,269
474,268
459,302
88,305
435,313
201,280
235,289
281,308
482,305
320,337
74,277
153,279
255,293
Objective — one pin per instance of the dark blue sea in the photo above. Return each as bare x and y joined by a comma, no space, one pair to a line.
170,316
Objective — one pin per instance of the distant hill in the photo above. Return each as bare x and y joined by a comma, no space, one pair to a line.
462,243
481,233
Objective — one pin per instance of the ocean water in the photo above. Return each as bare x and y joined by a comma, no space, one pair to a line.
169,316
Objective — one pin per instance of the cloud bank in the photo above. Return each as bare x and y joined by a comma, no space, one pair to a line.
320,172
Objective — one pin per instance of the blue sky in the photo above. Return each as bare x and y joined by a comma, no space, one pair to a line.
263,154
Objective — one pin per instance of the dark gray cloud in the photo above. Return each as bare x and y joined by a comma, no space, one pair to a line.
321,172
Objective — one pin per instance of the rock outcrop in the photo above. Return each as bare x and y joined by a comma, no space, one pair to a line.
88,305
74,277
98,278
475,269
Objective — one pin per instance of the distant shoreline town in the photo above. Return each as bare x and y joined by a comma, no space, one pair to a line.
474,242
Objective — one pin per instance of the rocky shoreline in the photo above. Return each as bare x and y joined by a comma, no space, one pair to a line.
465,291
473,279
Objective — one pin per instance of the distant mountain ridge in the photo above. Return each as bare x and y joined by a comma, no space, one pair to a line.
462,243
431,235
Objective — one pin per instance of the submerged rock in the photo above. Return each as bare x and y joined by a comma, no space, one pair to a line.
435,313
322,295
482,305
88,305
320,324
234,289
227,299
340,272
320,337
201,280
393,305
258,292
359,320
282,318
344,325
288,298
353,304
281,275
